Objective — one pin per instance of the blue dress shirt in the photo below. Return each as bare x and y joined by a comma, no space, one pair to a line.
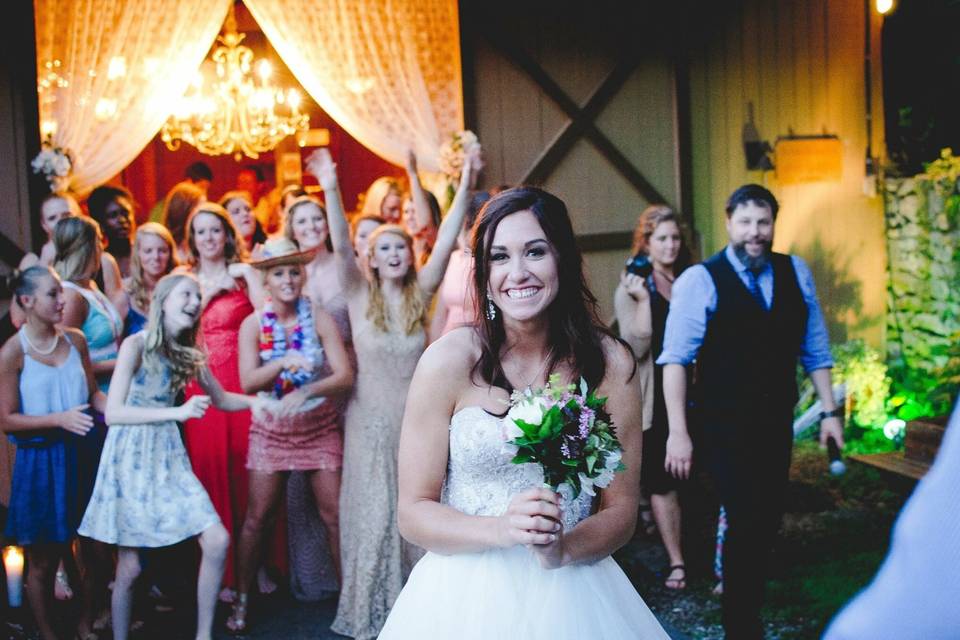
694,301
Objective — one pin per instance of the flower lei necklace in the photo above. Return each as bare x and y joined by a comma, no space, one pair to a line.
303,338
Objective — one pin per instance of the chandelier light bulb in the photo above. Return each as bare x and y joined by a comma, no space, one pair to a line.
264,70
884,6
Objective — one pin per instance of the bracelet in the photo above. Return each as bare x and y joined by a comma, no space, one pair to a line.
833,413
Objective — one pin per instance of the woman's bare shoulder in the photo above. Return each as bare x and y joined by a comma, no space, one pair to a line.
454,352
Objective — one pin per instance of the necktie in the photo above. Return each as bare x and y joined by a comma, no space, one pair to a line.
754,287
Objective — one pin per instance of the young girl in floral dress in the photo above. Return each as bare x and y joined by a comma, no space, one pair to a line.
146,494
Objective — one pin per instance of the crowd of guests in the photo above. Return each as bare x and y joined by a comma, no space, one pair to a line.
252,359
184,323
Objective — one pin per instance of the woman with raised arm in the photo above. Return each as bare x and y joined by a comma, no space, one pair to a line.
386,316
314,568
508,558
230,289
46,385
283,350
147,495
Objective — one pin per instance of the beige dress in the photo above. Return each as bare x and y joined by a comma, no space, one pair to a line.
372,553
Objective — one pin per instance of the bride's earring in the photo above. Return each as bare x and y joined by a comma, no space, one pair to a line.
491,309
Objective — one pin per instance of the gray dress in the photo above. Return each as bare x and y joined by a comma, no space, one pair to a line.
146,494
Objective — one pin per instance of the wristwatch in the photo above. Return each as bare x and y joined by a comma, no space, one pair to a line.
833,413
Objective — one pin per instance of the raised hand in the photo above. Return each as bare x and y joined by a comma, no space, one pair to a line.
76,420
411,161
320,164
193,408
635,286
532,518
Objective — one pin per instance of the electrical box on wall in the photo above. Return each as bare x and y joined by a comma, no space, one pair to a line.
808,159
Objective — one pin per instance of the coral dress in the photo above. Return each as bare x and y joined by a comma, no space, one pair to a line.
218,442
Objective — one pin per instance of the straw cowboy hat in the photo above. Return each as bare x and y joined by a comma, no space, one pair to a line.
278,251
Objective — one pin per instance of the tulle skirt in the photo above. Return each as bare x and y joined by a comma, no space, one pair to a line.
505,593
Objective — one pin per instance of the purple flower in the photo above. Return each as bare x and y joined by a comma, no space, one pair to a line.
565,450
586,419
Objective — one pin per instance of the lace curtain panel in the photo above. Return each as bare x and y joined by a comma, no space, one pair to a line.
108,70
388,71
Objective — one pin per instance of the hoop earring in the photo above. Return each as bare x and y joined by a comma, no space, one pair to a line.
491,309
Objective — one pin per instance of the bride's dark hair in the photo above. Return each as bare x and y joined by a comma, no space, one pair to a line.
576,332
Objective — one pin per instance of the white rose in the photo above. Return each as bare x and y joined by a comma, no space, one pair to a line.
530,410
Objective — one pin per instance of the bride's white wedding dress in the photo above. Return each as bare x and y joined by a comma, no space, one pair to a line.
502,594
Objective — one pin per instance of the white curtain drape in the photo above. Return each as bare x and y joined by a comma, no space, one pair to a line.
109,69
388,71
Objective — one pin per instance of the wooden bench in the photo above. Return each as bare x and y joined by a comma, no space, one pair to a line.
920,446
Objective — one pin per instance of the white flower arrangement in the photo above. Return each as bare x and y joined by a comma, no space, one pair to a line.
55,164
454,151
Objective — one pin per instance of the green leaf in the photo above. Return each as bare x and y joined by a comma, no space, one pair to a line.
520,458
591,461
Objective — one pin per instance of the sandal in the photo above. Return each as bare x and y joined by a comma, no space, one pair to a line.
61,585
679,584
237,622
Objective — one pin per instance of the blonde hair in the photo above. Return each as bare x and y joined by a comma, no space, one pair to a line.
180,351
362,217
377,192
235,195
234,249
137,286
77,240
411,313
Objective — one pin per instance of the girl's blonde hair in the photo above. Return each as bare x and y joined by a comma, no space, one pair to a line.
413,306
77,240
377,192
180,351
233,251
137,286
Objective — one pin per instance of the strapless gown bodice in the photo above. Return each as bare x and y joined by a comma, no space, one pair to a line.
481,479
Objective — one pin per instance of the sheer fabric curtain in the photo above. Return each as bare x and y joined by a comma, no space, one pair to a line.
109,70
388,71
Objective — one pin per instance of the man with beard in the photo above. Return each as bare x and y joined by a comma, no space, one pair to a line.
746,315
112,208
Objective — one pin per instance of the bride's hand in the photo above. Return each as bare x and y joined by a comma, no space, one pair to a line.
532,518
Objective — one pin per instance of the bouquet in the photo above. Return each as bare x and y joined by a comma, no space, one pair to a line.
55,164
453,153
569,432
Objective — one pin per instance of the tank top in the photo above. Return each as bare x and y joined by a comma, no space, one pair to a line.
102,328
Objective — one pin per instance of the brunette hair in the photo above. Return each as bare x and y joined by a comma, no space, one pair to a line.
76,240
575,330
233,250
355,223
754,193
177,206
647,223
413,305
25,283
180,351
137,286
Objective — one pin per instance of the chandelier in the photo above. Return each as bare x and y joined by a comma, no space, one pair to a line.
236,114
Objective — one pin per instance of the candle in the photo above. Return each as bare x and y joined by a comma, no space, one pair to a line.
13,565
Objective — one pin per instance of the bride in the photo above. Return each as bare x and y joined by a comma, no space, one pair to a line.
507,558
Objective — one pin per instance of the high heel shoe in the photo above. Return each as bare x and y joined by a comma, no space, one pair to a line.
237,622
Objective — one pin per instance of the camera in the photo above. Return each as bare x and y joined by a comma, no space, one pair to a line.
639,265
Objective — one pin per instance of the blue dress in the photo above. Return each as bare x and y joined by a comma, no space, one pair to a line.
43,492
146,494
135,321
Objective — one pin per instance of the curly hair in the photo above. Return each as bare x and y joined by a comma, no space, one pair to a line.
137,285
180,351
413,306
233,251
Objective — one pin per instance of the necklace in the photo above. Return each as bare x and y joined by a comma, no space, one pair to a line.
38,350
527,390
275,342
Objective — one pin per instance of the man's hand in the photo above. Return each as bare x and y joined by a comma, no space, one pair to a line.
831,427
